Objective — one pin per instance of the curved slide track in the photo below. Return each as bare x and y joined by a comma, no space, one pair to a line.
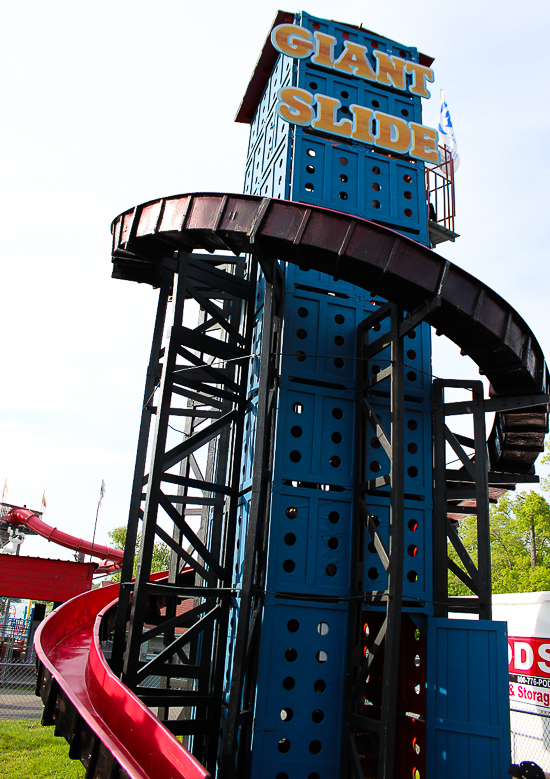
386,263
24,518
109,729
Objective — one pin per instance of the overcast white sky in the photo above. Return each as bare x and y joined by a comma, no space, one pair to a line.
111,103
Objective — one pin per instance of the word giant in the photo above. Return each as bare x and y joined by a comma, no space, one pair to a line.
297,106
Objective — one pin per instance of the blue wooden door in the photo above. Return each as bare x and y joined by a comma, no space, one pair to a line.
468,716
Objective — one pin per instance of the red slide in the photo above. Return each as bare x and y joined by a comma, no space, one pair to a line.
28,519
103,720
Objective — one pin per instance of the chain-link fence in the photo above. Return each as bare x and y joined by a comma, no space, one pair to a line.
17,683
530,736
18,670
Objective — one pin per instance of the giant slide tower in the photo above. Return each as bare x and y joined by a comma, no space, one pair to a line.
293,444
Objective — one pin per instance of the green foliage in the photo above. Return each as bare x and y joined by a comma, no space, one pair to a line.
520,545
30,751
161,552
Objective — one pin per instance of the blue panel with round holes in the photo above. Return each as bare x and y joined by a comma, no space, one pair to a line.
310,542
356,179
297,725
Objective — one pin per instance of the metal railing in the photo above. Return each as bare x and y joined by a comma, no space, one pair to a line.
440,189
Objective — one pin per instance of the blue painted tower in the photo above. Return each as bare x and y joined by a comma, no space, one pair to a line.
312,553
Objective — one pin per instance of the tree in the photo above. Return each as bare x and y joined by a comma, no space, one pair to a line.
520,545
161,552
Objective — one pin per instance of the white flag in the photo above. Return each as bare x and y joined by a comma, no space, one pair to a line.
447,132
101,492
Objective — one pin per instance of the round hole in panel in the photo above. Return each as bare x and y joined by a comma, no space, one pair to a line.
411,354
292,625
289,682
284,745
408,212
301,333
344,161
289,566
334,517
375,442
290,539
412,424
376,170
323,628
335,461
375,103
338,363
295,456
321,656
404,112
303,312
375,204
345,109
310,169
412,550
407,179
371,547
296,431
314,775
412,524
376,327
374,44
331,570
316,26
315,747
412,471
311,153
297,408
372,573
411,334
309,187
343,195
374,466
291,512
300,356
333,543
313,85
319,685
291,655
337,413
339,319
286,714
412,577
412,447
318,716
343,93
408,195
343,178
376,519
411,375
375,369
345,35
376,186
336,438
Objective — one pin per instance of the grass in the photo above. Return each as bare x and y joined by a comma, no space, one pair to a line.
30,751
